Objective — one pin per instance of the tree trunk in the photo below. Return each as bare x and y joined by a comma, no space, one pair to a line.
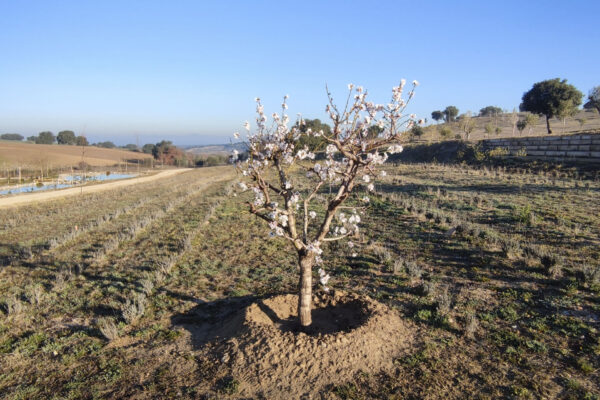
548,125
305,299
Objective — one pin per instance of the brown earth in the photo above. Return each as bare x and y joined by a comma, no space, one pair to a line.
29,155
269,357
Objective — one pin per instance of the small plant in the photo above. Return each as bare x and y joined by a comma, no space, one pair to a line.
526,216
591,274
428,289
444,302
228,385
109,329
14,306
147,286
552,263
414,271
35,294
134,308
445,132
471,325
398,266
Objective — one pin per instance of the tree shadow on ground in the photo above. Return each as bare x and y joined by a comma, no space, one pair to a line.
215,320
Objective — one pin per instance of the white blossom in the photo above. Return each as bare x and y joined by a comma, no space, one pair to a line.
395,149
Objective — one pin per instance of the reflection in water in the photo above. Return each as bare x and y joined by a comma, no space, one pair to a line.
66,181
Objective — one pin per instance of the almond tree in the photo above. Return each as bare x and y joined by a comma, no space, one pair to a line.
276,166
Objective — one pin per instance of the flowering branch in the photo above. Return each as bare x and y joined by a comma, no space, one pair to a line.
362,137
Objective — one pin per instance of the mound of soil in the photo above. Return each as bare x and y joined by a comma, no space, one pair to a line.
269,356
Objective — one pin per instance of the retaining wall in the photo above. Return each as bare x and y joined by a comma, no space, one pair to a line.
574,148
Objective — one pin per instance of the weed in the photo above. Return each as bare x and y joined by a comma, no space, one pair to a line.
471,325
444,302
414,271
108,328
134,307
228,385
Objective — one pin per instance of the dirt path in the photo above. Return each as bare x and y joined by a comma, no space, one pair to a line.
50,195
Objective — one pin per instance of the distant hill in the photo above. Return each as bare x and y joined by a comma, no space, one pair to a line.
216,149
28,155
584,120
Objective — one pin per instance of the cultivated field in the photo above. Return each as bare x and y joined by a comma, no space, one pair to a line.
47,156
132,293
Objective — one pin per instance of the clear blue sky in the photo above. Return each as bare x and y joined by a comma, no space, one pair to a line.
189,70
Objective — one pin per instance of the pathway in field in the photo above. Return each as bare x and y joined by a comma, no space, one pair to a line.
34,197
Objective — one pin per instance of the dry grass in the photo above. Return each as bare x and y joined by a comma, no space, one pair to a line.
31,156
584,120
494,318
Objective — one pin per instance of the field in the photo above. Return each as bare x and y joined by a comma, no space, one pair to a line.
494,273
46,156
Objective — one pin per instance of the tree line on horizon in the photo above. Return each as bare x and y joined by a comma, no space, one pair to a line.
549,98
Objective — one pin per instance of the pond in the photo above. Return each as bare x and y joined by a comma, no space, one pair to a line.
66,181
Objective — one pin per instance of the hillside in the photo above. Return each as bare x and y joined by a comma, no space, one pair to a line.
217,149
26,155
584,120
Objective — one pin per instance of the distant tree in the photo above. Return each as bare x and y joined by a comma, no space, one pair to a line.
467,124
490,111
374,131
45,137
32,138
165,152
148,148
81,141
11,136
450,113
315,141
593,99
131,147
417,131
437,115
566,113
531,120
66,137
551,98
581,121
489,128
498,130
106,145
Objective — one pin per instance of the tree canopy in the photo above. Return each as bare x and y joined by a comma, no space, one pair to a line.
148,148
313,142
66,137
593,99
81,141
45,137
106,145
490,111
437,115
131,147
11,136
552,98
450,113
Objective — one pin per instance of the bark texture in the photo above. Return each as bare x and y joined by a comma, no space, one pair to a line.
305,298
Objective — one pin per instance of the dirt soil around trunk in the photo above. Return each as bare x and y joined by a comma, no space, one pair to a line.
269,357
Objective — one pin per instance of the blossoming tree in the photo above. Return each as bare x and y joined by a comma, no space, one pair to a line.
277,172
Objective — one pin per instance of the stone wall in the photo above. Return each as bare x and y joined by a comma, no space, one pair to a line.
574,148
